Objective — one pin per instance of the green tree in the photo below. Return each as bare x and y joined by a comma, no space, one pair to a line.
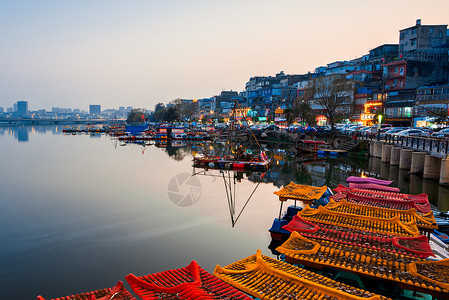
289,114
137,115
171,114
159,112
305,112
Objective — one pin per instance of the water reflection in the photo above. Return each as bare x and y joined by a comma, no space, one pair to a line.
109,206
315,170
22,133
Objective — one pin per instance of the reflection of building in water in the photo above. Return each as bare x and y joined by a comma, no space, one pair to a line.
22,134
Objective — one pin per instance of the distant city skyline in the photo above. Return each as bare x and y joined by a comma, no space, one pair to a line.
138,53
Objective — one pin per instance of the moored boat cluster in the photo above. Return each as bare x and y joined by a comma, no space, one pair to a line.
376,234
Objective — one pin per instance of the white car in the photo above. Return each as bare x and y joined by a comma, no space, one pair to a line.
413,132
442,133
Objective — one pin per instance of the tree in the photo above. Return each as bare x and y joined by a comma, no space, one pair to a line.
331,93
159,112
137,115
305,112
185,109
171,114
289,115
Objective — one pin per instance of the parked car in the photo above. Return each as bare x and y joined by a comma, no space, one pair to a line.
413,132
391,130
441,133
271,127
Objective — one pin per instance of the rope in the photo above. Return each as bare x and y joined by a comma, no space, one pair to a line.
229,201
260,147
249,198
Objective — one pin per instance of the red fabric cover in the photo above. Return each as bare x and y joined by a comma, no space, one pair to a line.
300,225
117,293
421,198
354,179
389,203
191,282
420,242
372,186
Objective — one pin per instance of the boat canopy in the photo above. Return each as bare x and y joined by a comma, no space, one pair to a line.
300,192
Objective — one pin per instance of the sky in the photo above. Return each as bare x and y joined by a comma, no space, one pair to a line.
73,53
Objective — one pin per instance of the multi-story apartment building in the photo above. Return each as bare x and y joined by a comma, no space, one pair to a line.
431,102
422,61
422,38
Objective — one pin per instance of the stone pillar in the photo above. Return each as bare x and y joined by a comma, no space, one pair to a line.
444,172
378,149
371,148
417,164
386,153
395,156
432,167
406,159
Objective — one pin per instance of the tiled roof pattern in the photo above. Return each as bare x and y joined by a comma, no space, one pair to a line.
392,226
191,282
267,278
369,262
422,221
117,293
300,192
413,246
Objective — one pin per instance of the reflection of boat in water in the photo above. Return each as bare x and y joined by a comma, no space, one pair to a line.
319,147
310,146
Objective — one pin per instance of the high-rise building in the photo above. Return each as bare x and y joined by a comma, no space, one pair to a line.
22,108
94,109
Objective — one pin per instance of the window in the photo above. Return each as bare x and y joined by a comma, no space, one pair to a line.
401,36
431,30
412,42
396,69
401,71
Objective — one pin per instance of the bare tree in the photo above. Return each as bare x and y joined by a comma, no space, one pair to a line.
331,93
185,109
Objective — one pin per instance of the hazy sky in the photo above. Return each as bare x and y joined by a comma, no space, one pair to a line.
136,53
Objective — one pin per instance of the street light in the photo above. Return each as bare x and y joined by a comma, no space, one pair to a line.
379,119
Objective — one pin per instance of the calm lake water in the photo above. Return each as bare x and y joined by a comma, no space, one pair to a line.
79,212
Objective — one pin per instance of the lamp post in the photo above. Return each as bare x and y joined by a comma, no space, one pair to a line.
379,119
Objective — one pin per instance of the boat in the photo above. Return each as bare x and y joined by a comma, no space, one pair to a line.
441,236
310,146
238,163
306,195
235,156
409,272
191,282
117,293
266,278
